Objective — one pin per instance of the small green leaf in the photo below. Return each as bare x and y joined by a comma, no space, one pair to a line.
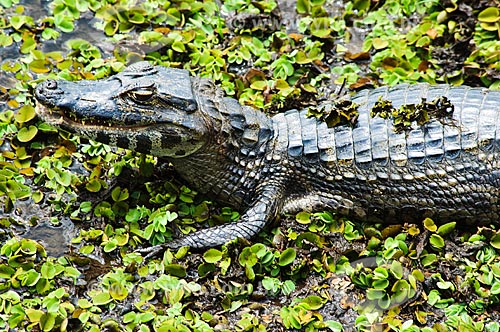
25,114
381,273
309,88
423,41
6,271
47,321
375,294
39,66
34,315
495,241
137,18
401,290
430,225
119,195
6,3
495,289
334,326
110,245
287,257
380,284
93,185
429,259
379,43
205,268
101,298
46,128
84,303
271,284
249,272
212,255
418,275
31,278
71,272
445,285
37,196
303,218
178,46
489,15
303,6
49,33
88,249
384,302
26,134
489,26
133,215
302,58
436,241
176,270
288,287
433,297
446,228
362,4
86,206
320,27
259,85
64,179
64,23
18,21
313,302
111,27
281,84
247,257
118,291
6,41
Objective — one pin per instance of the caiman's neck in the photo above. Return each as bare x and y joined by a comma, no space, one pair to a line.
234,150
240,128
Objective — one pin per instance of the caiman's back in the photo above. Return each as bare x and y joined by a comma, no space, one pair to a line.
446,169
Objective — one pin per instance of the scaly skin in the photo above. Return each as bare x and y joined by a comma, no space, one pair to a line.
446,170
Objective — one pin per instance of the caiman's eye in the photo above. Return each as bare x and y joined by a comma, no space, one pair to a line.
141,95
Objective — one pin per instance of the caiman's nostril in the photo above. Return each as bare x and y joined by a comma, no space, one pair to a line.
51,84
47,90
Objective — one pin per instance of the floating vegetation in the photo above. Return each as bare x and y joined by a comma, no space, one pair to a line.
315,271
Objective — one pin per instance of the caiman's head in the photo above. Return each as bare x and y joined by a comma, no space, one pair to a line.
145,108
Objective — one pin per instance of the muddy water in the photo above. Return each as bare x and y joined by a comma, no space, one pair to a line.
33,222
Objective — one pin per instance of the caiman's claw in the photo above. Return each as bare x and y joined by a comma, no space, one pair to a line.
156,250
159,248
152,251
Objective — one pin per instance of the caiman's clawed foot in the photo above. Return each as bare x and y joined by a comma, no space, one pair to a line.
153,251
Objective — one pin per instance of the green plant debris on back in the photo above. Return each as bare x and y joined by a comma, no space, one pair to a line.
439,108
340,113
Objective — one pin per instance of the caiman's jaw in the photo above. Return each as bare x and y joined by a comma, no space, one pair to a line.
65,119
144,108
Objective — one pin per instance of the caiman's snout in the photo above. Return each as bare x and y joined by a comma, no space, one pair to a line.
46,91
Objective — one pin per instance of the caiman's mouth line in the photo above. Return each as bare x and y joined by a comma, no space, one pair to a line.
59,117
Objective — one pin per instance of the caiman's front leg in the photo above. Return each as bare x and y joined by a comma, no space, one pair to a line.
267,203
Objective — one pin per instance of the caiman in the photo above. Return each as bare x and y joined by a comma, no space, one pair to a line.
264,165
